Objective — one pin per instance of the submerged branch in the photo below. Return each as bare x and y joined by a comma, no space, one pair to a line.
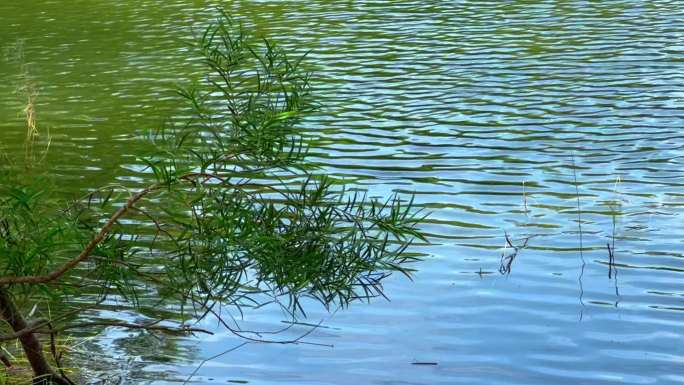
152,326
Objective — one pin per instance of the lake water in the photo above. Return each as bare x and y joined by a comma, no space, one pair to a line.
497,115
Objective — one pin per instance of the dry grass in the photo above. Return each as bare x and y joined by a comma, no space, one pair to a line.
33,157
31,127
27,89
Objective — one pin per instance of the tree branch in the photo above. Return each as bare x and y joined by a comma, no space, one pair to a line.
149,327
83,255
152,326
32,327
37,323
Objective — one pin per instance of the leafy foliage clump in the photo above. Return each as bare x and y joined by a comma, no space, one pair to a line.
235,214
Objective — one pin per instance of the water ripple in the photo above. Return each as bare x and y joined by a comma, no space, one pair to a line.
478,108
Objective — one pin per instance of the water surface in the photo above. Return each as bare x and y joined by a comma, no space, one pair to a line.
497,115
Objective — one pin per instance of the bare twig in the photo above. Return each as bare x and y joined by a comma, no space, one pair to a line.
507,260
39,323
611,261
581,246
213,358
524,198
152,326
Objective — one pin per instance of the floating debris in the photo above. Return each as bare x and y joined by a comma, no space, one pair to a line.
507,260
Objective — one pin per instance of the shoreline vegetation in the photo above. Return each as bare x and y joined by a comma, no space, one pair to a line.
236,217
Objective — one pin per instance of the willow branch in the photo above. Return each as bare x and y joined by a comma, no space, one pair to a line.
83,255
